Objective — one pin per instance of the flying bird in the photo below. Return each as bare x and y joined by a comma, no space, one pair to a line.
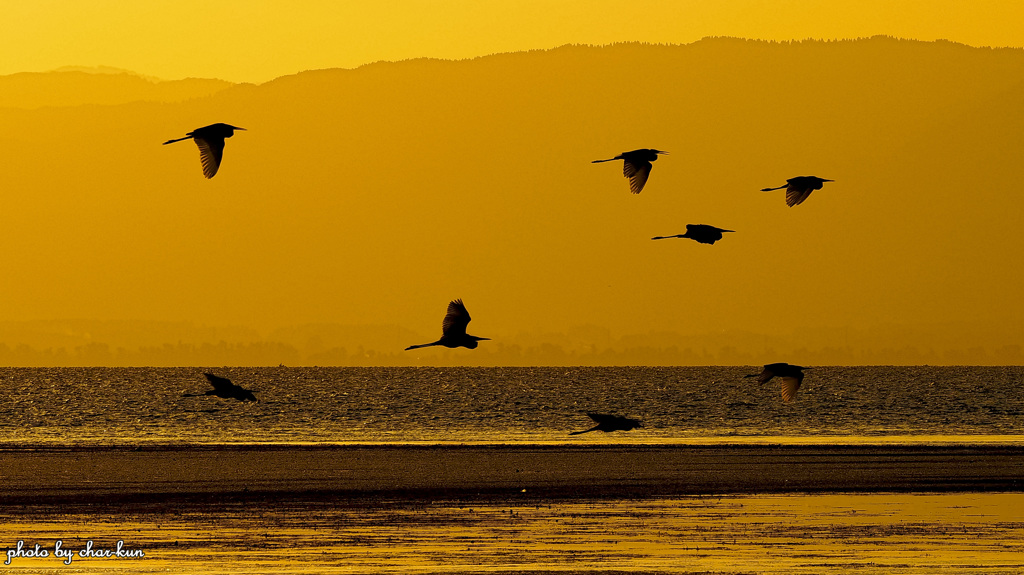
453,329
636,166
608,423
792,376
223,388
700,233
798,188
210,140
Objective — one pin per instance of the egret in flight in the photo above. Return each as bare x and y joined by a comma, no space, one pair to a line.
210,140
453,329
636,166
700,233
608,423
223,388
792,376
798,188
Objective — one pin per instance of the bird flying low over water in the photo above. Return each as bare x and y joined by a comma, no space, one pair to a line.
798,188
792,376
453,329
223,388
607,423
636,166
210,140
700,233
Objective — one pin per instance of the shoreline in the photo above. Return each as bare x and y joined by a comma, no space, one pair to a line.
752,441
350,473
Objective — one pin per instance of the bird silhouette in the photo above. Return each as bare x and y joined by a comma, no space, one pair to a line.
210,140
223,388
792,376
700,233
798,188
608,423
636,166
453,329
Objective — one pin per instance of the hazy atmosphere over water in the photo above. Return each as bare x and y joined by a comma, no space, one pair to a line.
361,199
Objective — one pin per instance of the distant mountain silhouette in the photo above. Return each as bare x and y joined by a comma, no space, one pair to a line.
362,194
75,87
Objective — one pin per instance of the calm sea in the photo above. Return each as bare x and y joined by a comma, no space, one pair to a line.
128,406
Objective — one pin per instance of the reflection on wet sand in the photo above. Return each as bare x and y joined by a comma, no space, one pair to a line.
866,533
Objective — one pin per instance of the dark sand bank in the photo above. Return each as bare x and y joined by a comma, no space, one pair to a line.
495,472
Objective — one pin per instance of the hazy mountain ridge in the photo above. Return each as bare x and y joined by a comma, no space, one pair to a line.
372,196
156,343
74,87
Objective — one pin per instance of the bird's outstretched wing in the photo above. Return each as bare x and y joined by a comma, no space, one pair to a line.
637,171
456,320
219,383
796,195
603,417
789,386
211,150
765,376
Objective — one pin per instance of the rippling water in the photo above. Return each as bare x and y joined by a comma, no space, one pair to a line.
356,405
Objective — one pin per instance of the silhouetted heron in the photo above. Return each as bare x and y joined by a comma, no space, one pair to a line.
223,388
608,423
700,233
798,188
210,140
453,329
792,376
636,166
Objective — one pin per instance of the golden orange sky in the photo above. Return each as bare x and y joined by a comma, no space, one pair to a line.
258,40
372,197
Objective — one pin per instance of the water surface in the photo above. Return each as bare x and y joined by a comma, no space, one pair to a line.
118,406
